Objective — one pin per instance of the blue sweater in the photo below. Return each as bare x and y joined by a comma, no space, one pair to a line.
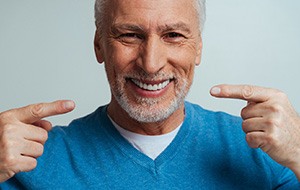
209,152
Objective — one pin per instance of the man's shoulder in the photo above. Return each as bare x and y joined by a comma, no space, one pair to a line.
198,113
80,132
83,123
90,118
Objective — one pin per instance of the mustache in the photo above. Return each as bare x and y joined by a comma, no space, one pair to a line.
142,75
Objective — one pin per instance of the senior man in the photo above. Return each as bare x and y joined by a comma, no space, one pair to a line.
148,137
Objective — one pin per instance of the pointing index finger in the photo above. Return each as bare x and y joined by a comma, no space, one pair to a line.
35,112
243,92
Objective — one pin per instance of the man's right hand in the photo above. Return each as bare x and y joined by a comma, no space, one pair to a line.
23,133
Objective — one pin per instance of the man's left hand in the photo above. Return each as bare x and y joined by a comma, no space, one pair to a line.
270,122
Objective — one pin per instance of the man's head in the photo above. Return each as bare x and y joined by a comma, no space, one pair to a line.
150,49
100,6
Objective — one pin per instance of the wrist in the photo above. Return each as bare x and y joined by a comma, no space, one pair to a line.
295,166
296,172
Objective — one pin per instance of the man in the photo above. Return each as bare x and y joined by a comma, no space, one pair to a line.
148,137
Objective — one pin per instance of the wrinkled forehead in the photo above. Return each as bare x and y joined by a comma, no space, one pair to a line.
152,12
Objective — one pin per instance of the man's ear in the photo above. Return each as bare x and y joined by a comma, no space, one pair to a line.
199,52
97,47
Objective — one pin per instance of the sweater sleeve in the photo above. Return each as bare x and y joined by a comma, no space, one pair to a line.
283,177
287,180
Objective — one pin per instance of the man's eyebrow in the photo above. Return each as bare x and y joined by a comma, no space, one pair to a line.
131,27
163,28
176,26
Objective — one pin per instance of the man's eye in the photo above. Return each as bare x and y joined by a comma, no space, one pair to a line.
130,35
174,35
130,38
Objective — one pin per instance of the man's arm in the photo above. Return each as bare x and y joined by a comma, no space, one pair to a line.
23,133
270,122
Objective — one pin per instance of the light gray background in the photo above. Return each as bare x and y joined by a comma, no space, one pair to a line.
46,53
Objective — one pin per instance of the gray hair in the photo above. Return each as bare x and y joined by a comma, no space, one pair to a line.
100,13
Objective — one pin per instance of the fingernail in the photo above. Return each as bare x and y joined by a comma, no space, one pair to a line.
215,90
69,105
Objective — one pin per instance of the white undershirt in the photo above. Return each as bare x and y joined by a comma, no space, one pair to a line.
150,145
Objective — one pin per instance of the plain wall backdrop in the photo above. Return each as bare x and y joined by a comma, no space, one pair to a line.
46,53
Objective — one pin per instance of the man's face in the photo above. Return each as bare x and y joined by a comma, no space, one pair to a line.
150,48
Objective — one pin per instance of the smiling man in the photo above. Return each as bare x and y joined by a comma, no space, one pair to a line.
149,59
148,136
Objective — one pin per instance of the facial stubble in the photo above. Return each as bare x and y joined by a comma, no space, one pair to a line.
150,110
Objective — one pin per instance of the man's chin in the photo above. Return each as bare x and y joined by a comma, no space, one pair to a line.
150,113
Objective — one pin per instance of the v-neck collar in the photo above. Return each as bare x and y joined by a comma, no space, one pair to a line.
138,157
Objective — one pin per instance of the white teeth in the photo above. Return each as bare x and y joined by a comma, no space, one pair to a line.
150,86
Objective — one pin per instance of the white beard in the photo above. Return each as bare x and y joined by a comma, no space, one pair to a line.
148,110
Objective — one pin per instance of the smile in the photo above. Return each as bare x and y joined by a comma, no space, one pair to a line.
151,87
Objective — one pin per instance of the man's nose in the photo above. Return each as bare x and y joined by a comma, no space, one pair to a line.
152,55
